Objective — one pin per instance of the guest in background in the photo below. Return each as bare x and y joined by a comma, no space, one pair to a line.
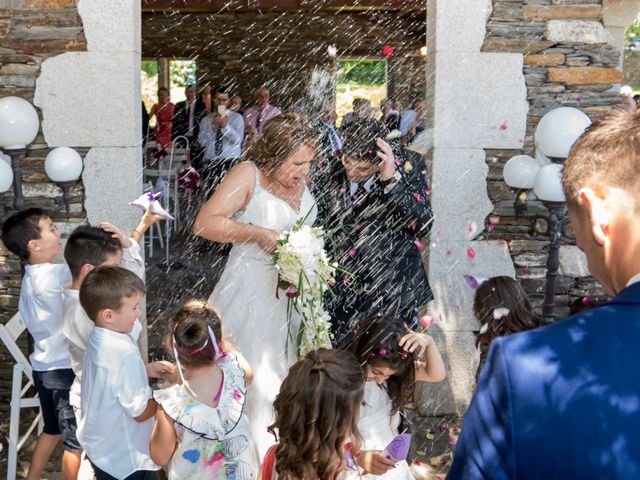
235,104
258,114
221,134
361,111
204,103
185,121
390,116
412,121
163,111
145,124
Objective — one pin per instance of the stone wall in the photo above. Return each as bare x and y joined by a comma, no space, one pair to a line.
567,62
249,49
30,33
632,68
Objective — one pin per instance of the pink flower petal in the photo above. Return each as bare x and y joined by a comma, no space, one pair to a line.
418,196
471,253
448,253
352,252
418,244
414,224
440,234
503,126
426,321
491,227
342,190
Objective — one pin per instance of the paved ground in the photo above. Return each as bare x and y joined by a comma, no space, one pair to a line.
192,271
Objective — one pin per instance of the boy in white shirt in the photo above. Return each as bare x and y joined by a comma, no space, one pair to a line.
117,409
32,236
89,247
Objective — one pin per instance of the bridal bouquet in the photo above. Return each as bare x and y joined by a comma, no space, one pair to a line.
306,273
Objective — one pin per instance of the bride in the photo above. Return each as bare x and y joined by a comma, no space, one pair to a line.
257,200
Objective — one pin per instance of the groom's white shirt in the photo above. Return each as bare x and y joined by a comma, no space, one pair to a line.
367,185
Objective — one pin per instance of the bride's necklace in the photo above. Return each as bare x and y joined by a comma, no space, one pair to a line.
292,197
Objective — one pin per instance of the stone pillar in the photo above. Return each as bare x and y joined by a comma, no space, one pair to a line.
475,101
617,17
92,99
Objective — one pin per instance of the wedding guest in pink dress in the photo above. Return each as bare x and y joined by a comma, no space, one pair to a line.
163,110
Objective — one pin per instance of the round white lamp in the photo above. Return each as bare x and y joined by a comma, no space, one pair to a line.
18,123
559,129
63,165
6,176
548,184
520,171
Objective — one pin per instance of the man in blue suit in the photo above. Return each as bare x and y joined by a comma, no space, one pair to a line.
563,401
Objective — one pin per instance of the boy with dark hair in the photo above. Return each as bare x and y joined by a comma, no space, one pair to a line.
117,409
32,235
89,247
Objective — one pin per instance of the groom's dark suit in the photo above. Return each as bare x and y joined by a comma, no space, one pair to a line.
375,235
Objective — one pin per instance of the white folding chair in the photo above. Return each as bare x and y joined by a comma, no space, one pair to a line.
9,334
170,177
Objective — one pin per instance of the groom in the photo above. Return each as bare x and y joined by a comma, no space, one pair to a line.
375,209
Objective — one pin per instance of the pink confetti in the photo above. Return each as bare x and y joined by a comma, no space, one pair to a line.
503,126
579,98
357,226
442,427
448,253
352,252
397,162
331,282
453,442
440,234
525,270
418,244
471,253
414,224
426,191
354,197
586,300
426,321
342,189
491,227
418,196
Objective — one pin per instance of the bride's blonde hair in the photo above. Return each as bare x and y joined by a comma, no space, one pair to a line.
282,137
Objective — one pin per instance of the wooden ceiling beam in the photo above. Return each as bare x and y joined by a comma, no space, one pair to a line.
212,6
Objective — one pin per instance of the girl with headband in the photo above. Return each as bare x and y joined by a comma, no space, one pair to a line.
201,429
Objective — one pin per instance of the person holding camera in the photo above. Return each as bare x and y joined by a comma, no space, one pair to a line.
221,134
375,207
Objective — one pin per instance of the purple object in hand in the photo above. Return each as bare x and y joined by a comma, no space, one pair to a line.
399,447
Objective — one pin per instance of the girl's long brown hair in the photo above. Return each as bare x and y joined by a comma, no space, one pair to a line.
382,334
503,292
316,413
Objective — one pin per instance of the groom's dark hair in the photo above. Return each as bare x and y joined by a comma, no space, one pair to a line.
359,140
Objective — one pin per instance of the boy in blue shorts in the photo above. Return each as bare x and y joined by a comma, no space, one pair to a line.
32,235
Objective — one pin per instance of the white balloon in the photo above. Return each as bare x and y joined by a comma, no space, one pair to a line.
6,177
520,171
6,158
548,183
18,123
63,164
559,129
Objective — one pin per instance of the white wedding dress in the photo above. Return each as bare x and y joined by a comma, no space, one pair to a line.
253,318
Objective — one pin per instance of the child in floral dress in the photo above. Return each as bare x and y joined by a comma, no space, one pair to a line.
201,429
